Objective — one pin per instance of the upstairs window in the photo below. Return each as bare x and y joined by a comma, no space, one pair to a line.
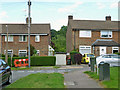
85,33
106,34
10,38
23,38
37,38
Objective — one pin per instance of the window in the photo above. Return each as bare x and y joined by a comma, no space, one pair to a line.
10,52
38,52
37,38
22,53
106,34
85,49
85,33
10,38
115,49
23,38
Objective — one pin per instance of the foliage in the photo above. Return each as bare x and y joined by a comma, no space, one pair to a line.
117,53
43,61
78,58
32,50
72,54
40,80
113,82
58,39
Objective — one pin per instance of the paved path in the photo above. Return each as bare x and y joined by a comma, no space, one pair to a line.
77,79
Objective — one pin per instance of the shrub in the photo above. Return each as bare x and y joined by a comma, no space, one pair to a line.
77,58
72,54
43,61
117,53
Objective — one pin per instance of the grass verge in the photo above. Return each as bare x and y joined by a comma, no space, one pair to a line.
112,83
40,80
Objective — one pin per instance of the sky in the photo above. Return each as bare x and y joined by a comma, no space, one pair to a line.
56,12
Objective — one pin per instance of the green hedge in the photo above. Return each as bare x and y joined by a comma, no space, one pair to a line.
43,61
9,60
36,60
72,53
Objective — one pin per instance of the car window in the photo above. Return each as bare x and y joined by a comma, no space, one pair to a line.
90,55
107,56
84,55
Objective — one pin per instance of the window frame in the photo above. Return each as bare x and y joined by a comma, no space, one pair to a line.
22,38
37,36
81,31
9,38
108,31
115,48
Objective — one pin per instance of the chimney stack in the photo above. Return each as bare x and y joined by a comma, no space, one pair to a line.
27,20
70,17
108,18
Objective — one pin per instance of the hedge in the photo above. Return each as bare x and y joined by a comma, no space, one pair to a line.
36,60
43,61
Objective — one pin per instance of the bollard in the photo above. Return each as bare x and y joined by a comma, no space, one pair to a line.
92,63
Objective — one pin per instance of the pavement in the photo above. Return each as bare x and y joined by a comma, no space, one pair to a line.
73,75
77,79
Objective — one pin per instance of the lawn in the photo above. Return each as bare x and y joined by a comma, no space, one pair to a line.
112,83
40,80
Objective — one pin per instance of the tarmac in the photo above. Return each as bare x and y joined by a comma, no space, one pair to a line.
77,79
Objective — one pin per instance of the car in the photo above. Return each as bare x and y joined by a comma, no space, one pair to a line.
86,57
5,73
112,59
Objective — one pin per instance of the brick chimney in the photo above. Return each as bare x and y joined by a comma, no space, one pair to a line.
70,17
108,18
27,20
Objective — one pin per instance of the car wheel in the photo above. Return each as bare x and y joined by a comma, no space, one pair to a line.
9,79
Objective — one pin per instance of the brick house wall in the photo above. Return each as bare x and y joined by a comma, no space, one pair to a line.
42,46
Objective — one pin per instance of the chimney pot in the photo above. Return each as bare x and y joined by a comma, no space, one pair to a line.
108,18
27,20
70,17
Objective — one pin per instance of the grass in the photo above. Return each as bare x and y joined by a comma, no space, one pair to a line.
40,80
32,67
112,83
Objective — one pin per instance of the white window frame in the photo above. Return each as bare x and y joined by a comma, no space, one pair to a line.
9,37
85,31
8,51
38,51
22,38
84,47
22,52
115,48
38,37
108,31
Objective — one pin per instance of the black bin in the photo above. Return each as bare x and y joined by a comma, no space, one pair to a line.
104,71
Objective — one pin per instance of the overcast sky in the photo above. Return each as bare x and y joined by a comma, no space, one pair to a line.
56,12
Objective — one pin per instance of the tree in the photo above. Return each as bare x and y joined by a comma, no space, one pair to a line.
32,50
58,39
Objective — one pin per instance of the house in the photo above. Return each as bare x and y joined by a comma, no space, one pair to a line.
93,36
18,38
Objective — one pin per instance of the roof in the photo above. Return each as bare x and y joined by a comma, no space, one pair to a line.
104,42
22,28
93,24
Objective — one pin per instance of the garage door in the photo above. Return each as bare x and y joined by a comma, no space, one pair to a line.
85,49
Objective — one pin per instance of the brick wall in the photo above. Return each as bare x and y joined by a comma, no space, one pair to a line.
16,45
89,41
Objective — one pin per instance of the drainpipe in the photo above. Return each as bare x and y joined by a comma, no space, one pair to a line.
74,40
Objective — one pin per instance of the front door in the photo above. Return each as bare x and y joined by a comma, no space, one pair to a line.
102,50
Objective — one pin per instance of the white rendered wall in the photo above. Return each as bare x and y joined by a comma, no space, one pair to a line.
60,59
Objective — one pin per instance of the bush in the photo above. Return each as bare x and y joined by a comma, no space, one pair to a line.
117,53
43,61
72,54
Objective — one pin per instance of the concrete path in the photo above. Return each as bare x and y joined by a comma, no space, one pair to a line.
77,79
